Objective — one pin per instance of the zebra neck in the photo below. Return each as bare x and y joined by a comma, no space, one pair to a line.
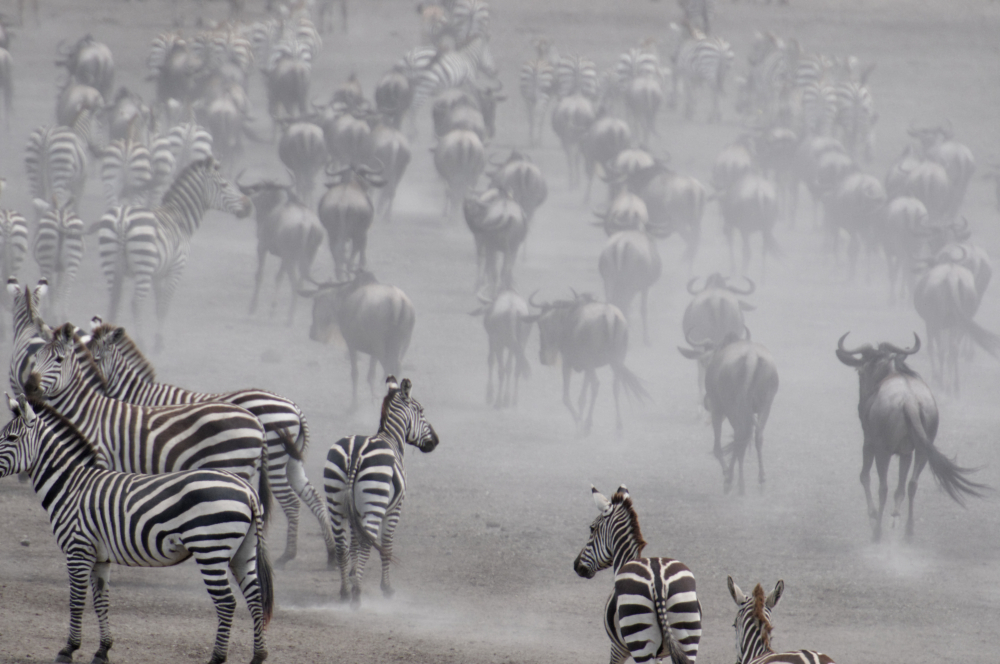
84,407
126,384
625,551
63,459
393,433
756,649
183,213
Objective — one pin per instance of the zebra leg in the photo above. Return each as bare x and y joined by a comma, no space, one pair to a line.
164,289
214,573
100,578
81,566
282,491
296,476
336,503
248,565
388,528
360,552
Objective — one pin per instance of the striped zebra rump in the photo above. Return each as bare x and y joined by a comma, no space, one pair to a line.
129,245
56,161
654,599
13,246
362,476
126,173
576,74
58,250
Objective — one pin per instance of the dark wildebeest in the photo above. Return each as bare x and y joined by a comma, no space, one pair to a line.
506,319
588,335
957,160
899,417
750,205
393,96
902,231
629,265
348,135
346,212
302,149
855,206
571,118
741,380
391,149
499,226
375,319
821,162
287,229
287,83
715,313
946,298
89,62
524,180
459,158
627,212
601,144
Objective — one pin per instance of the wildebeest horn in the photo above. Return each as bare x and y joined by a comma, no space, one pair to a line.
496,163
335,173
751,287
904,351
531,301
859,349
691,289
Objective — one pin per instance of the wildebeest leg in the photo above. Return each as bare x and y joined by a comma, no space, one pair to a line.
354,377
509,380
762,416
717,418
567,372
283,269
904,471
918,466
261,258
742,432
728,231
853,249
371,375
882,468
746,252
490,356
643,305
867,458
589,377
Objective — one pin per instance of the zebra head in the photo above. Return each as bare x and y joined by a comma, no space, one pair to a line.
116,355
217,192
404,416
753,620
58,362
615,537
17,448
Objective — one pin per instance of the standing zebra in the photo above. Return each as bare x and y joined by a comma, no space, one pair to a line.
701,60
131,378
140,439
171,153
58,249
856,118
653,611
29,331
753,629
101,516
56,162
537,84
365,483
152,245
13,248
126,172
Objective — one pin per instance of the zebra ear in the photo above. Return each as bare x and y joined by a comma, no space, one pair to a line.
738,596
11,403
13,287
117,335
623,490
95,323
390,383
27,412
603,504
405,387
772,599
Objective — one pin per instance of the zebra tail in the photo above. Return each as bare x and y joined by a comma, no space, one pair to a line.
264,488
949,474
265,572
631,383
291,446
670,648
358,528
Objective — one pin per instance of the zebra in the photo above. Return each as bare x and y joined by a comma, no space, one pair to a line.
141,439
171,153
453,69
365,484
653,611
753,629
126,172
101,516
56,162
856,118
130,377
58,249
701,60
536,82
698,13
151,245
30,332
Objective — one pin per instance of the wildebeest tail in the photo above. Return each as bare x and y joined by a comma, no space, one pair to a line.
631,383
987,340
952,477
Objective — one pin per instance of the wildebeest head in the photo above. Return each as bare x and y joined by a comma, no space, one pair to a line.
361,175
552,323
875,363
327,299
716,280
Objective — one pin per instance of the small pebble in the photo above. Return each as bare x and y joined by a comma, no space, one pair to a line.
25,542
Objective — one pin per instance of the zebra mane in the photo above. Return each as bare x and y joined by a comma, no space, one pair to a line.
385,407
40,405
625,501
759,599
183,177
90,370
128,348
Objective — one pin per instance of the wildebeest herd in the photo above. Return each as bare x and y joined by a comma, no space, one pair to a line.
142,473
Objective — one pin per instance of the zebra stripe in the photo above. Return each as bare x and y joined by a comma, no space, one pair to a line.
131,378
56,162
139,439
146,244
855,120
28,331
13,243
453,69
702,60
365,482
653,612
576,74
470,19
101,517
753,629
126,172
536,82
58,250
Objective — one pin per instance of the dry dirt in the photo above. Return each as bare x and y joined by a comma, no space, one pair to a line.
495,516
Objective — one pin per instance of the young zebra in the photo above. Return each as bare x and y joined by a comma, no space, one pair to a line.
152,245
58,249
365,482
130,377
140,439
653,612
753,629
102,516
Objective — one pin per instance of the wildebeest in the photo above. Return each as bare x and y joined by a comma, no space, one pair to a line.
347,133
629,265
946,298
587,335
571,118
346,213
90,63
855,206
821,162
302,150
522,177
902,231
675,202
627,212
741,380
506,319
499,226
393,96
459,158
375,319
715,313
899,417
750,205
287,229
601,144
391,150
288,79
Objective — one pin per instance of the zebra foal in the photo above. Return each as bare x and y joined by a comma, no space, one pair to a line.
365,482
130,377
102,516
653,611
753,629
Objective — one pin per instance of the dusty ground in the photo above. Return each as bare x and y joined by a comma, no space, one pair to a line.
496,515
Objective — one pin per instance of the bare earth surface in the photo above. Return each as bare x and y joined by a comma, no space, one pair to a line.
495,516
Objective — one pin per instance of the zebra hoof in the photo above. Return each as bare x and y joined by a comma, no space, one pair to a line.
98,659
259,657
64,658
388,592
